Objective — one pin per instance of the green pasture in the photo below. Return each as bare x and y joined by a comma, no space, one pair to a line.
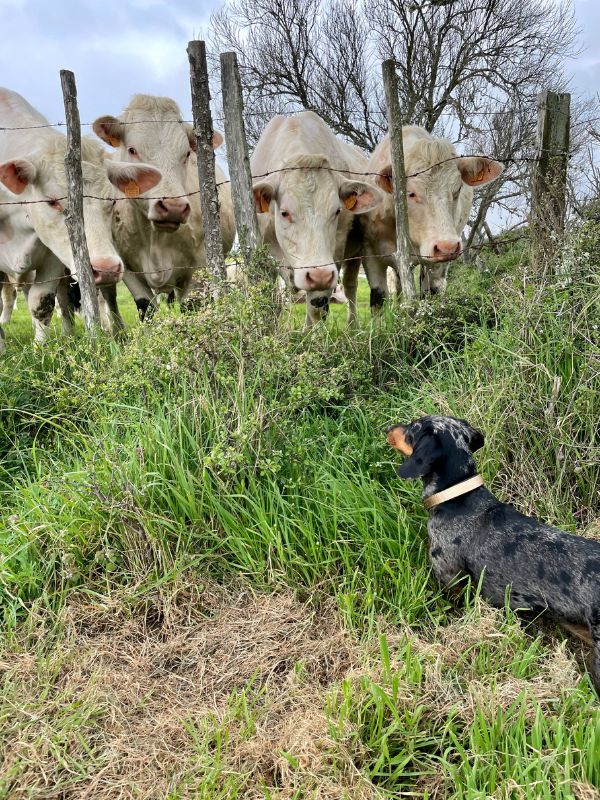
213,584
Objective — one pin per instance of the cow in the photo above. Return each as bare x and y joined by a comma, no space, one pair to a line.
34,243
439,198
161,239
308,197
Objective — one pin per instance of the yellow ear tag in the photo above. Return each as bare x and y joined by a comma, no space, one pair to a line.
131,189
114,141
264,204
351,201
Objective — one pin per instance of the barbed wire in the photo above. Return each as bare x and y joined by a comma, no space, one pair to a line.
283,112
506,160
339,263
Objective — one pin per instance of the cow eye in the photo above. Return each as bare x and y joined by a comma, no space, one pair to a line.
132,151
338,211
285,214
56,205
412,195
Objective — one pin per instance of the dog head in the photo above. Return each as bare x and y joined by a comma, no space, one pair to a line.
441,446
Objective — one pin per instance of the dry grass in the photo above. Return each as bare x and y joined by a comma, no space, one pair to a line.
206,687
458,645
153,682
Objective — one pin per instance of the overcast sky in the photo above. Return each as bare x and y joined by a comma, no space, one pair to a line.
119,47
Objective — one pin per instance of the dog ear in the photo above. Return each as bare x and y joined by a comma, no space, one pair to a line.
419,464
477,440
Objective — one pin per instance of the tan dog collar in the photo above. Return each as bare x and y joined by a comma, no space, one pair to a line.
454,491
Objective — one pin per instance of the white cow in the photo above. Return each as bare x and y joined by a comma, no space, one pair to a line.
162,240
306,211
439,201
34,244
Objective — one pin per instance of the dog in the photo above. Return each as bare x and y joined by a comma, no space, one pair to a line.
542,569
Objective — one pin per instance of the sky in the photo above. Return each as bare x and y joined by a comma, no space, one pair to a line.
118,48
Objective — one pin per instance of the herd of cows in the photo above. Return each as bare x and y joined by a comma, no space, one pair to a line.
321,203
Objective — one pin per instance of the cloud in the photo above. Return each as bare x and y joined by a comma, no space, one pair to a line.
115,48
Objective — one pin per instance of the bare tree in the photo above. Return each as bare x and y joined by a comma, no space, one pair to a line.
305,54
468,69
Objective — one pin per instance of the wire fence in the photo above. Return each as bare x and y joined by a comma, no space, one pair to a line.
543,153
346,172
262,114
339,263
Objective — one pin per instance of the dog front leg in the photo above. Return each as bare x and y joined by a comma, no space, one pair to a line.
595,658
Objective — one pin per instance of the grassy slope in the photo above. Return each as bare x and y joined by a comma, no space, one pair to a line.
233,453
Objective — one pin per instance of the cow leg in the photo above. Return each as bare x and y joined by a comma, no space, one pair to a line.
8,301
377,277
40,299
65,304
350,284
112,316
317,307
393,284
143,296
433,279
2,339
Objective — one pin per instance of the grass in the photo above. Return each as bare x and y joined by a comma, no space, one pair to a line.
214,586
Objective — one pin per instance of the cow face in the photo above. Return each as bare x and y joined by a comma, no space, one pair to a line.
41,178
310,210
151,130
439,197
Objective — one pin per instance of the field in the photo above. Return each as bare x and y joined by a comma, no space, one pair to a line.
214,585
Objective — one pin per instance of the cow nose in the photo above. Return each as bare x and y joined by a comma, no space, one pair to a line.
172,210
106,270
320,278
446,249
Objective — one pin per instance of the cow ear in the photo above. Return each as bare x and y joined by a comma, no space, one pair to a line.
109,129
359,197
217,137
424,454
384,179
477,171
17,174
132,179
263,194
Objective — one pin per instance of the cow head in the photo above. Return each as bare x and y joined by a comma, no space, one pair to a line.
439,191
310,210
151,130
40,178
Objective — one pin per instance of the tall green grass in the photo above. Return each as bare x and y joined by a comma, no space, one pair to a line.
230,441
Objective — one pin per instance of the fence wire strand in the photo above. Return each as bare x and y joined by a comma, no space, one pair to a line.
339,263
506,161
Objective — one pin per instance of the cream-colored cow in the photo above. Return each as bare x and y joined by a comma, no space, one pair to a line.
34,244
161,240
439,200
307,199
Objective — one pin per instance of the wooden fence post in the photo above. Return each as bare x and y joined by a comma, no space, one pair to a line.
237,154
549,174
402,255
209,197
74,213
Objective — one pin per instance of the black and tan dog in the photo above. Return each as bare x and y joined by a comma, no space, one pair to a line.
546,570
